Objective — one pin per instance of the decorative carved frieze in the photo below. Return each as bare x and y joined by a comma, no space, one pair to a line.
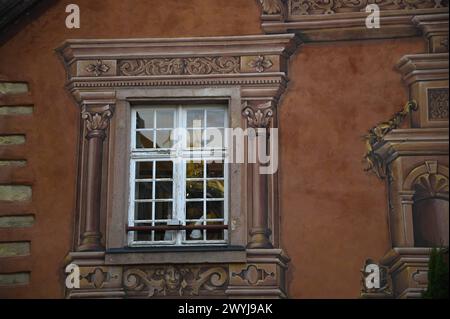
176,280
438,104
259,116
180,66
376,135
320,7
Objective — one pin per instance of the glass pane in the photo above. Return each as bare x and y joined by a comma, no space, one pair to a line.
144,139
143,211
143,190
215,234
214,138
145,119
163,235
163,210
215,118
164,118
194,190
163,139
194,138
214,169
194,169
144,170
214,210
194,210
164,169
215,189
195,119
163,190
196,234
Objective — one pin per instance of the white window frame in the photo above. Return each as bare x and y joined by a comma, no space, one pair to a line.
179,156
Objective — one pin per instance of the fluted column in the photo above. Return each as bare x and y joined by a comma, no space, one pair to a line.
259,116
97,119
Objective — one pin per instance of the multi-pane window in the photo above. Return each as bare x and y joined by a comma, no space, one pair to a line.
178,176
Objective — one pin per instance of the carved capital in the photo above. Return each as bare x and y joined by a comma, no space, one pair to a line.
258,116
97,120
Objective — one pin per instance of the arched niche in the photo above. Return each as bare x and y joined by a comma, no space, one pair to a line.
429,207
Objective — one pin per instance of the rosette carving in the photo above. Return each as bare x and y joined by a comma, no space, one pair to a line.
97,121
318,7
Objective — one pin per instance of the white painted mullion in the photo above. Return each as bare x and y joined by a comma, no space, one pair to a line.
131,202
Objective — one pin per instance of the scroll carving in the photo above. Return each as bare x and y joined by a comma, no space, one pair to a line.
259,116
376,135
438,104
180,66
319,7
175,280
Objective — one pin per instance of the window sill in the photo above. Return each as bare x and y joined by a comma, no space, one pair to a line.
176,255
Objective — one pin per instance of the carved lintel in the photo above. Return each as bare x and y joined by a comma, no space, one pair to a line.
259,116
97,120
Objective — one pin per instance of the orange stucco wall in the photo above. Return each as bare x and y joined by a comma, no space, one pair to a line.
333,214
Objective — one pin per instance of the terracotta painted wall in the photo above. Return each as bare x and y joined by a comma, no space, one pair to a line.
333,214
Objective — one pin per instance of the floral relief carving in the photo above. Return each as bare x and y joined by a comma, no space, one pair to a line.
272,6
97,122
175,280
259,116
180,66
260,63
97,68
438,104
319,7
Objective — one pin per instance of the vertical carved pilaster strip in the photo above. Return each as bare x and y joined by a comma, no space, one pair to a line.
97,122
259,118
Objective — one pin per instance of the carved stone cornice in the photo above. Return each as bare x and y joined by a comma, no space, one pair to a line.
331,20
423,67
258,116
